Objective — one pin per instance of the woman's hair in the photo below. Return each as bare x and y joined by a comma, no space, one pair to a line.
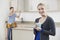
40,4
11,8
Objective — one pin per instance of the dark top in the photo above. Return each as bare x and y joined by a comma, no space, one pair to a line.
48,28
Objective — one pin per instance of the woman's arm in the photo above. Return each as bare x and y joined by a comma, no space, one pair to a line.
35,27
52,28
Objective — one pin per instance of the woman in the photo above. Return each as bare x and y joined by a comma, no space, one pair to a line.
11,22
45,25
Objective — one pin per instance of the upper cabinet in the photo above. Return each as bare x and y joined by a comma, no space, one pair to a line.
31,5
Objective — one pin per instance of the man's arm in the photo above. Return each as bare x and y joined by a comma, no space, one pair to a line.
19,14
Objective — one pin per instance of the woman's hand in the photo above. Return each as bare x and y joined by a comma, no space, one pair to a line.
38,28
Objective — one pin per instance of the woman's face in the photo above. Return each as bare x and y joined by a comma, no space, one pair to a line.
41,10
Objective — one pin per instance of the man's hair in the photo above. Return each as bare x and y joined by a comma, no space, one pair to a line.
11,8
40,4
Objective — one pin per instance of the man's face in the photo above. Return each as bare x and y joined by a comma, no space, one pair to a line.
41,10
12,10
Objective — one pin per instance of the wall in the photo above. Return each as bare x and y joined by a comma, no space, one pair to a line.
4,10
31,16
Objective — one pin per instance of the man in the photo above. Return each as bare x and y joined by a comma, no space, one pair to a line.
11,22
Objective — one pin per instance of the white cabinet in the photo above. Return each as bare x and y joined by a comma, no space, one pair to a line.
23,34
